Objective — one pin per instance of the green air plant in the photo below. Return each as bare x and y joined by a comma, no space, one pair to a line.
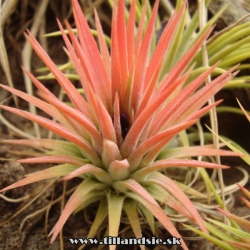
235,234
239,238
232,236
116,130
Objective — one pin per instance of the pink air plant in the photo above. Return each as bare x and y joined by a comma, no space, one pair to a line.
114,132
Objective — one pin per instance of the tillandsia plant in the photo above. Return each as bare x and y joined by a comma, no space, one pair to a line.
230,46
232,236
239,238
115,131
235,234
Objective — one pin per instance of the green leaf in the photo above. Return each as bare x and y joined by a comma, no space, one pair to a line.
90,198
94,33
130,208
75,200
219,233
233,146
216,241
148,217
237,232
53,172
115,205
100,216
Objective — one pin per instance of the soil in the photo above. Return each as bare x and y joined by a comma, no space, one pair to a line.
33,235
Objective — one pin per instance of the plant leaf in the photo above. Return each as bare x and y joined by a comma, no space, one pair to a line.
53,172
78,197
115,205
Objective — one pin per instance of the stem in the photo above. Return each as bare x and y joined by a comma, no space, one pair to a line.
213,114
